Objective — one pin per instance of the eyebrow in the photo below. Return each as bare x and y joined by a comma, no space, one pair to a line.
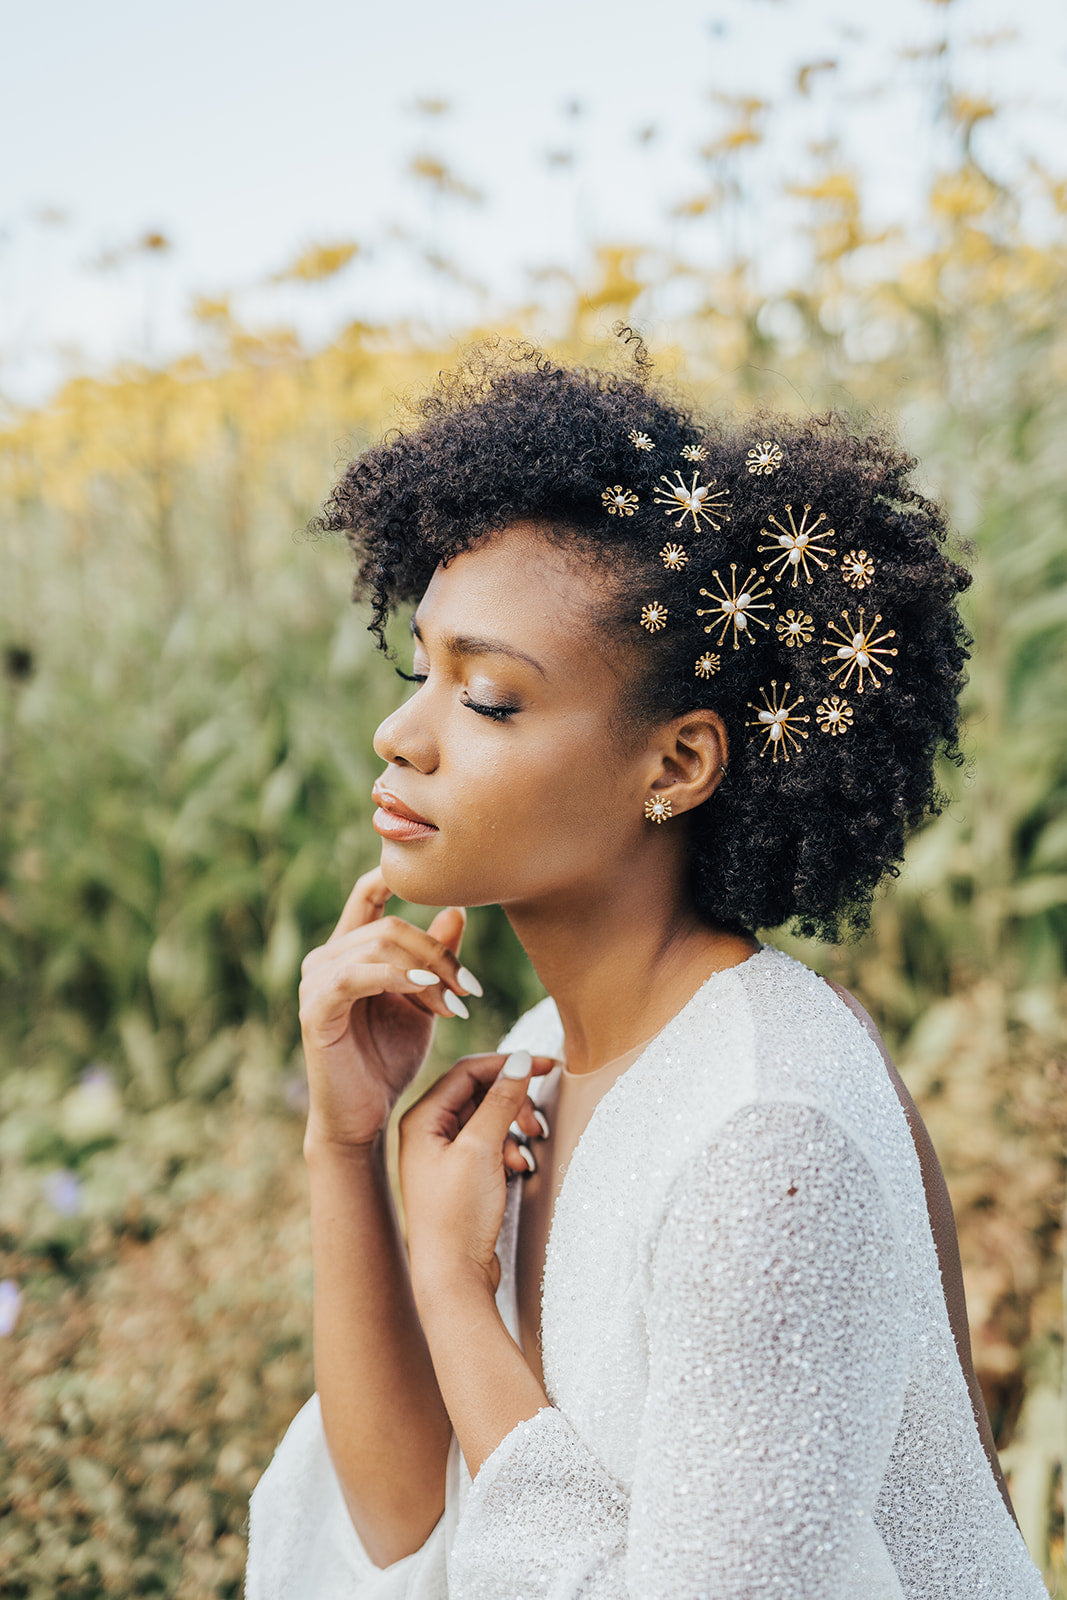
458,644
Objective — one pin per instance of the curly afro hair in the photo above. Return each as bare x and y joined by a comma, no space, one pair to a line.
815,532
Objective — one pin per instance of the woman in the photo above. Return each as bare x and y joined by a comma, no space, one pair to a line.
680,1313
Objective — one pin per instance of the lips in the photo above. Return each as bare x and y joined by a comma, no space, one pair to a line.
394,820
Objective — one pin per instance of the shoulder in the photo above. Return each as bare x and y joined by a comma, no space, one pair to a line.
799,1034
803,1064
808,1037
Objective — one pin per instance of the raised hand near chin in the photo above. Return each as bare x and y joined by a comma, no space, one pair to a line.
368,999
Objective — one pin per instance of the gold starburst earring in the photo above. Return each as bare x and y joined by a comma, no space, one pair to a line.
658,807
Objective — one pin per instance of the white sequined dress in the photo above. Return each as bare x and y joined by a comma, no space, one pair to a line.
755,1389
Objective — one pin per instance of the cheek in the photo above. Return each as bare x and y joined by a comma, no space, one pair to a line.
559,790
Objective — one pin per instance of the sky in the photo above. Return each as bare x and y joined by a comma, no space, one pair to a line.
244,133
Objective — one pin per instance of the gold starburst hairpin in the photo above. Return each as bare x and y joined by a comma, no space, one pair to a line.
736,610
640,441
834,715
765,458
700,501
857,569
707,664
777,721
673,557
795,629
796,546
654,616
860,652
619,501
694,452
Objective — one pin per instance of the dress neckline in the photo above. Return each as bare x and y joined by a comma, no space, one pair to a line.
611,1095
650,1044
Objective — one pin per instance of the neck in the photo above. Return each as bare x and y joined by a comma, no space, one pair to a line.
620,963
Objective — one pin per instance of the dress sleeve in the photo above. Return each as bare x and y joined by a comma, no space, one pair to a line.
777,1369
301,1541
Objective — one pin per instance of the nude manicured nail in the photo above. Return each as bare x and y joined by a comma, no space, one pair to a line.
542,1122
419,975
469,981
528,1156
517,1065
455,1004
516,1132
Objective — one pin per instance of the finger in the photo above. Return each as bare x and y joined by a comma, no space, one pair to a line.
459,1092
411,952
393,939
366,902
449,927
325,1007
530,1122
501,1103
519,1157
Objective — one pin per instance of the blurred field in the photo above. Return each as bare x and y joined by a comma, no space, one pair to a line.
185,725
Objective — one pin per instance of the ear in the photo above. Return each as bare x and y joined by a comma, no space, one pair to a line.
693,752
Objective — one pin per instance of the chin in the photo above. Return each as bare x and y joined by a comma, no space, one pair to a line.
422,883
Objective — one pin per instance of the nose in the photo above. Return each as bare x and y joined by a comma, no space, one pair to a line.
403,740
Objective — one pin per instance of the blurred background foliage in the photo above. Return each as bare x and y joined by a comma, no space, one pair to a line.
186,719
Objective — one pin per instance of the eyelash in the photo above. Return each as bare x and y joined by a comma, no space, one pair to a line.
495,713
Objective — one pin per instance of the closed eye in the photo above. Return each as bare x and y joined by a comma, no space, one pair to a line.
497,713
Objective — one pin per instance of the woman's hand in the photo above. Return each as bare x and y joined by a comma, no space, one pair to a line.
456,1149
366,1022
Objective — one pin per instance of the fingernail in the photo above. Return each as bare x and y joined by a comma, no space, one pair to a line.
528,1156
455,1004
419,975
516,1132
517,1065
542,1122
469,981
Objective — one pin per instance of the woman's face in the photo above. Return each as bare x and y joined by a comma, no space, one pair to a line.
506,747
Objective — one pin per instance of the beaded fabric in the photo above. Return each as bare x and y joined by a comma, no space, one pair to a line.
755,1389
